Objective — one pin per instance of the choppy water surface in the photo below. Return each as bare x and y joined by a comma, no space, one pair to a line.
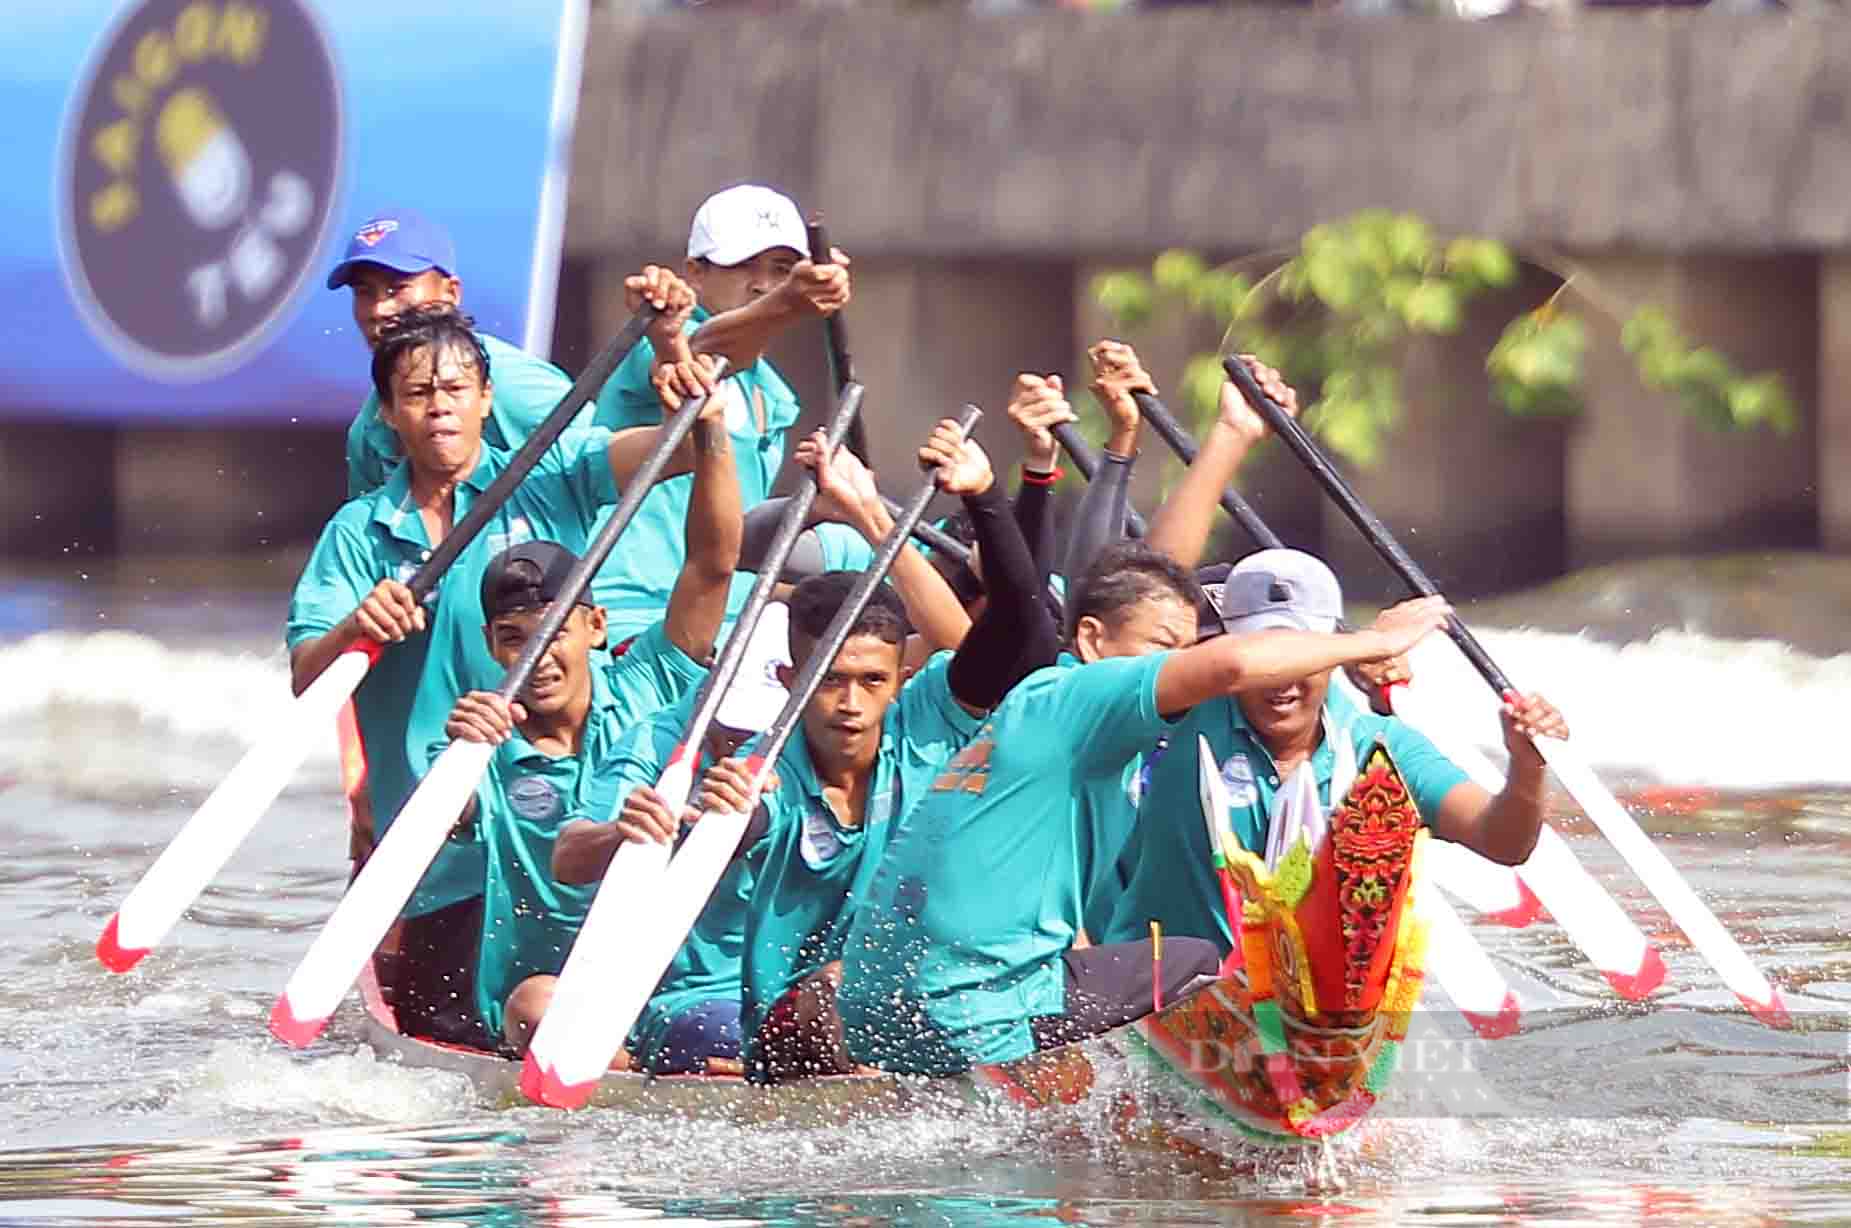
158,1096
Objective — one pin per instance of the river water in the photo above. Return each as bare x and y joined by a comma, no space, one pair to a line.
158,1096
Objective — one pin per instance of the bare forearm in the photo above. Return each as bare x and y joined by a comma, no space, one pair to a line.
308,659
584,850
631,447
742,334
1236,664
713,537
930,604
1510,824
1181,525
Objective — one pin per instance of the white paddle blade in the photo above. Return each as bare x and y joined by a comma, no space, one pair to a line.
1661,878
612,971
1213,791
223,821
1552,876
378,895
1464,971
1492,891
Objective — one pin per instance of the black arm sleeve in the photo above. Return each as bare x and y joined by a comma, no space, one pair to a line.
1034,516
1015,635
1101,518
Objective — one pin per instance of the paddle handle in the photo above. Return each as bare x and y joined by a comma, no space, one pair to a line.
583,389
1087,462
1161,420
835,341
928,534
1288,429
810,678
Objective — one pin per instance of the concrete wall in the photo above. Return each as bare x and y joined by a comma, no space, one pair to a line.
981,170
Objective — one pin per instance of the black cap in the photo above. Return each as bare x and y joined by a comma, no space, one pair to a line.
527,577
1208,609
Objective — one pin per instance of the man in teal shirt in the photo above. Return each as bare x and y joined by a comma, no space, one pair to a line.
944,971
435,385
1261,737
399,260
747,264
553,746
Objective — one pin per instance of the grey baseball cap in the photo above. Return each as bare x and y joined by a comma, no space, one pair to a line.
1279,588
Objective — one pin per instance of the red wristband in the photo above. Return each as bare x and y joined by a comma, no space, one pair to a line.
1031,478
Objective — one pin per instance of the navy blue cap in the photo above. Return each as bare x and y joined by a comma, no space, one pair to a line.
402,240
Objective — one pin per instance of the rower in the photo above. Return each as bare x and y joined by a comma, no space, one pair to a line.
943,970
1263,735
399,260
748,265
434,382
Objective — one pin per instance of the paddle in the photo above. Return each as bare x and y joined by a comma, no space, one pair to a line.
392,873
1660,877
231,811
592,1022
841,364
1597,925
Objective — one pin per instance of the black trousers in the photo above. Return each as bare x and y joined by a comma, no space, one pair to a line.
1109,986
431,982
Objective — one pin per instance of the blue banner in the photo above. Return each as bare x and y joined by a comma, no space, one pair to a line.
183,173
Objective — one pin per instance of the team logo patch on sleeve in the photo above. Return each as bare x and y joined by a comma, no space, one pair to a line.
819,842
198,171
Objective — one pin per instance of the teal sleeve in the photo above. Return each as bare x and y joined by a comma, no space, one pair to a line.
652,674
366,471
1429,774
635,759
1106,712
583,456
527,389
340,572
844,549
628,398
928,713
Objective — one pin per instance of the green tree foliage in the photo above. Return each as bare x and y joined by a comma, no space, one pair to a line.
1333,318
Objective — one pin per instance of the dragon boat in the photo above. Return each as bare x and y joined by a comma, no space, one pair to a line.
1291,1044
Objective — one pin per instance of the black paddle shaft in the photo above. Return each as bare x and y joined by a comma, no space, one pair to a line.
797,510
1087,462
822,658
841,362
1287,428
1165,424
578,577
583,389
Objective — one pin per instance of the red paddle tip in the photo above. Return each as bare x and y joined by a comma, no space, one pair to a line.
1500,1025
111,953
1635,986
1526,910
1772,1012
294,1032
542,1085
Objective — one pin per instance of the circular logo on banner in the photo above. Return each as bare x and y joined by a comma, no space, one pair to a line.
197,177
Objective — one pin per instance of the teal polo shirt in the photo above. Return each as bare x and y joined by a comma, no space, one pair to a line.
529,918
526,390
960,942
1172,877
812,872
635,584
407,695
843,547
707,965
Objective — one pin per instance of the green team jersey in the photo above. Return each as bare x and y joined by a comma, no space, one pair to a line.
407,695
529,918
526,390
707,965
959,944
634,585
1172,876
811,871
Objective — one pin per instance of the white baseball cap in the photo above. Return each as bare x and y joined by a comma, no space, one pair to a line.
1280,588
737,224
756,696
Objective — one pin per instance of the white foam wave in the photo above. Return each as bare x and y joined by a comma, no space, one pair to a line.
250,1076
1680,707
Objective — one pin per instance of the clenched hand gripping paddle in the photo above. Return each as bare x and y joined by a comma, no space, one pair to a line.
231,811
835,337
391,874
1660,877
630,895
566,1074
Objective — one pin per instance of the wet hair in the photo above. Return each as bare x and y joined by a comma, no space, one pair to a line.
1124,574
440,328
814,603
